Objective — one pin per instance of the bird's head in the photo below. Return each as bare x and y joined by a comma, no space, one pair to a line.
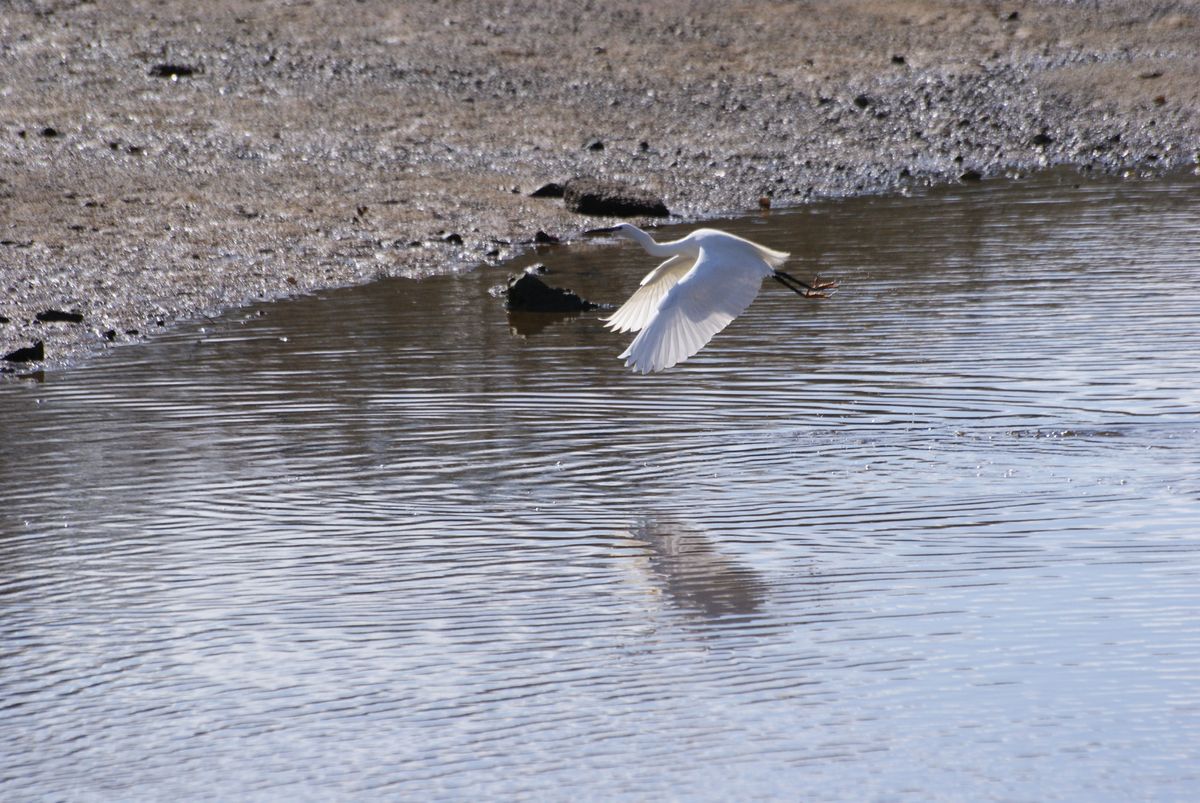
622,229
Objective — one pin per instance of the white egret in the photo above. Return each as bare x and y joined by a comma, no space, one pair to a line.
709,278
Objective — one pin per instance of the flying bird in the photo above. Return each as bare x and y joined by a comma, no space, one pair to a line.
710,277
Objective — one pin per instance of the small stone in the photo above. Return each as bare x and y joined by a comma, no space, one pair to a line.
594,145
897,59
971,175
862,101
764,202
3,319
1042,139
49,132
59,316
551,189
34,353
174,71
110,335
1160,100
452,238
528,293
589,196
542,238
1150,75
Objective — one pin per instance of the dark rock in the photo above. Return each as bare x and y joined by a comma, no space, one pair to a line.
34,353
594,145
862,101
551,189
59,316
971,175
174,70
1013,16
1042,139
111,334
49,132
542,238
528,293
1160,100
3,319
452,238
899,60
643,146
589,196
1150,75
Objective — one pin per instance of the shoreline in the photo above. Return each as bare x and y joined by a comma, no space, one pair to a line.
163,163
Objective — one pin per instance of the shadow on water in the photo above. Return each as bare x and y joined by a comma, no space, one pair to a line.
934,537
684,564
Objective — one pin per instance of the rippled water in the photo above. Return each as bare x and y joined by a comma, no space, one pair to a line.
933,538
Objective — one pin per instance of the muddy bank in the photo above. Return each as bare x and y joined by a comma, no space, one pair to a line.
160,160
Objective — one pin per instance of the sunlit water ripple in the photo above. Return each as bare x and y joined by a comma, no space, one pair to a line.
933,538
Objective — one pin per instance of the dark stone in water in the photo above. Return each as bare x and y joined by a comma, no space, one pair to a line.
542,238
59,316
589,196
528,293
971,175
551,189
174,70
34,353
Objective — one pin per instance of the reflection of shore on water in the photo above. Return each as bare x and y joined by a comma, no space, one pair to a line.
686,566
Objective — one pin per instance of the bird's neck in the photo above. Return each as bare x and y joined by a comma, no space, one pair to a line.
650,247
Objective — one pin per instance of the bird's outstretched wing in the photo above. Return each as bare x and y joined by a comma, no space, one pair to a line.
635,313
700,304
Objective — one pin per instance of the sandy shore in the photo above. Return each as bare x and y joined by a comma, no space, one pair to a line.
161,160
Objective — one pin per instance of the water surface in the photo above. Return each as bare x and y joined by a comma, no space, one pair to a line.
933,539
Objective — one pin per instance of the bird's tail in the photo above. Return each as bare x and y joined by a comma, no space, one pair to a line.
774,258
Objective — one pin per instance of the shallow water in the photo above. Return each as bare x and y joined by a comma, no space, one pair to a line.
933,538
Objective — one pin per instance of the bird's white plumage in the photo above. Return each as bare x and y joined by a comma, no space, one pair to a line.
635,313
710,279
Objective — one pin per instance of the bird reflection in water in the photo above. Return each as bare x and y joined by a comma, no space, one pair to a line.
683,563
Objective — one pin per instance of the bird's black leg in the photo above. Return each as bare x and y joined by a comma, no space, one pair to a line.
803,288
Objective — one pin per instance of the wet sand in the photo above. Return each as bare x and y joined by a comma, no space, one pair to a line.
160,161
